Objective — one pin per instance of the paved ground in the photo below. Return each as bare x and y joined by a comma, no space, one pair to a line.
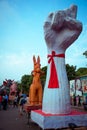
10,120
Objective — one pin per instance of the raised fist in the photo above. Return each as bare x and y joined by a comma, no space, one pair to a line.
61,29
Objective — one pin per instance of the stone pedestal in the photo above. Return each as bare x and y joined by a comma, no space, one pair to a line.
54,121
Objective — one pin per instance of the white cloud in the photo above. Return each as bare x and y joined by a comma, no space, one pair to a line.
14,65
15,59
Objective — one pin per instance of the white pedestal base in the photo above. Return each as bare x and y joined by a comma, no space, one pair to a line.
54,121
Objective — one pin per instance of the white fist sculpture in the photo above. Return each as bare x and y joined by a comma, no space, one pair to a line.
61,29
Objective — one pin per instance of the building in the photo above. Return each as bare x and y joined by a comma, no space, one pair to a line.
78,86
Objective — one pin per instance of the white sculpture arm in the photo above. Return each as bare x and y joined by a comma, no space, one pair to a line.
61,29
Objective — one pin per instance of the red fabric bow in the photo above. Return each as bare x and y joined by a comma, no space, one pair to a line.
53,81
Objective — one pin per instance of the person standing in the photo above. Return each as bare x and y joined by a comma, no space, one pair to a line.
86,100
79,100
21,103
15,102
5,101
0,101
74,100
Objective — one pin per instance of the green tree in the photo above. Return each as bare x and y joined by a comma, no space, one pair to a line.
43,76
71,71
26,81
81,71
85,53
18,86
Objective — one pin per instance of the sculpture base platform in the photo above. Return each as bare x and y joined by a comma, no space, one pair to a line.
55,121
27,107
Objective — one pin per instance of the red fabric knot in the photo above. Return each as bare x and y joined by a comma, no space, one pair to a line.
53,81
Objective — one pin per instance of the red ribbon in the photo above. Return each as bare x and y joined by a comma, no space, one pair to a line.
53,81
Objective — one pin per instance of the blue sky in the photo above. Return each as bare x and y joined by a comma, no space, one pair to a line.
22,35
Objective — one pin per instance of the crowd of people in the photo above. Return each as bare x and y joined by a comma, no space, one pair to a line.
20,100
17,102
78,100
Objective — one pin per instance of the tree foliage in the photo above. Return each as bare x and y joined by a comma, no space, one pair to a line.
26,81
43,77
81,71
85,53
71,71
